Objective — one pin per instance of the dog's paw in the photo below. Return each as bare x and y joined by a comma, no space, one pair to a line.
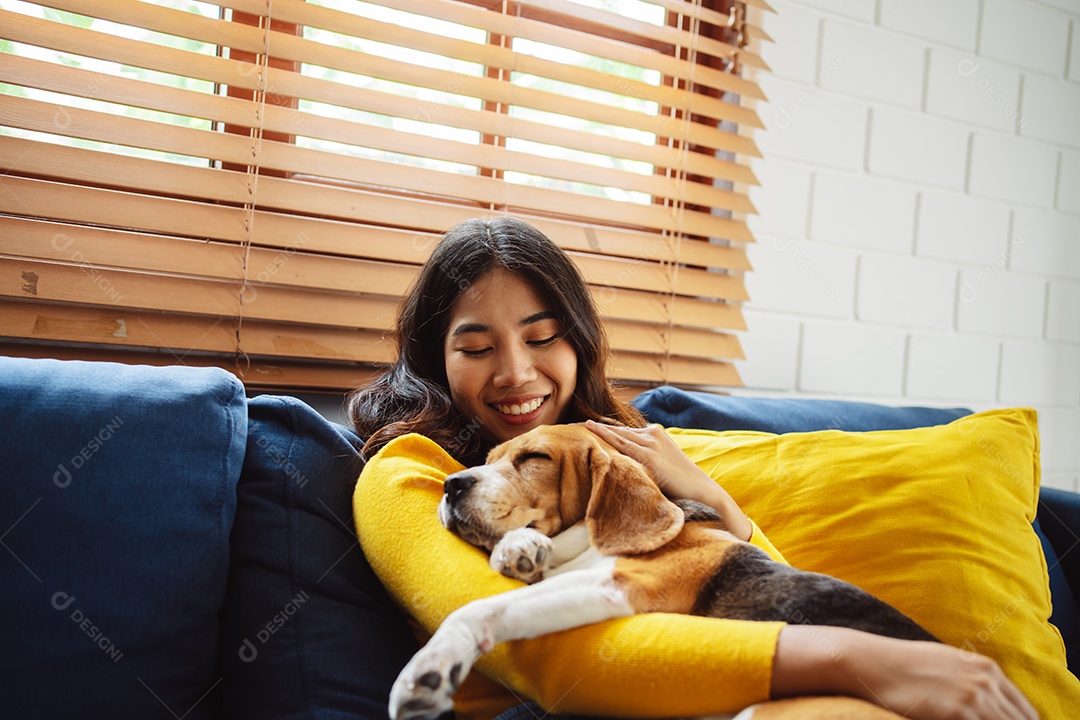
425,688
523,554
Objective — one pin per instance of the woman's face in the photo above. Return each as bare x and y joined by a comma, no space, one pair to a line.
507,361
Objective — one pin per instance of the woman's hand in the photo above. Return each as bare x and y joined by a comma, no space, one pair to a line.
917,680
672,471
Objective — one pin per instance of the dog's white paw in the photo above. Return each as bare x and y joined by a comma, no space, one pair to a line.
425,688
523,554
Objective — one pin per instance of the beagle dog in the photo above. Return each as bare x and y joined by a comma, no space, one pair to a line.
594,537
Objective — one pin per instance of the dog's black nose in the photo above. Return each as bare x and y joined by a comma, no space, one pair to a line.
457,485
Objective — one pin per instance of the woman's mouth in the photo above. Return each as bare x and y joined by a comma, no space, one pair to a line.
521,412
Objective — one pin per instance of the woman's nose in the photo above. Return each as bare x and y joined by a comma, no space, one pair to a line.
517,366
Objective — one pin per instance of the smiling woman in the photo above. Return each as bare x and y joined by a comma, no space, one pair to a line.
499,334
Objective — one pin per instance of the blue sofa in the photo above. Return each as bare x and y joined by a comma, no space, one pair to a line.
174,549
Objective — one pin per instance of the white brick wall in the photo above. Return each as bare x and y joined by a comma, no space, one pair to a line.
847,209
911,146
919,228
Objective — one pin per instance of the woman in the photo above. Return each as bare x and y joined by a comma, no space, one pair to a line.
499,335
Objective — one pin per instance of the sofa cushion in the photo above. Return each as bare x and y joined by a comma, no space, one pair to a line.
1059,524
672,407
309,630
935,520
115,508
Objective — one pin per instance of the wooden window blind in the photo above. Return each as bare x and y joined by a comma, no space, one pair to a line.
254,183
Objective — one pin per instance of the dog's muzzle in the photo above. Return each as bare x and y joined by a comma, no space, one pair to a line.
454,512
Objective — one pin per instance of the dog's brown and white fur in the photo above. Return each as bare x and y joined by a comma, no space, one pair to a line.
596,539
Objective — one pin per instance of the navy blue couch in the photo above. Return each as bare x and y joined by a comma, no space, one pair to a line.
174,549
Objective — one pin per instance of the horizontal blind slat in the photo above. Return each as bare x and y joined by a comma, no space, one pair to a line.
125,51
79,82
306,197
185,218
290,47
522,26
269,373
186,333
297,266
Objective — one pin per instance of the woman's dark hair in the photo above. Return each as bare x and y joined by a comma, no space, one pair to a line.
413,394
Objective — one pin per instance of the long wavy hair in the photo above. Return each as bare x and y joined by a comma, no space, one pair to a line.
413,394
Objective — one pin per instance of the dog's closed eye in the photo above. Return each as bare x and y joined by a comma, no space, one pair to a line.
527,456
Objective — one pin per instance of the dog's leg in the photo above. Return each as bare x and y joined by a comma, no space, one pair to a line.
529,555
569,544
424,688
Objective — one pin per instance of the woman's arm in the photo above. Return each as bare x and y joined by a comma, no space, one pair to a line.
913,679
648,665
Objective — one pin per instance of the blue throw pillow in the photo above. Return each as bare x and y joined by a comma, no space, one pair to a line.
672,407
309,630
116,503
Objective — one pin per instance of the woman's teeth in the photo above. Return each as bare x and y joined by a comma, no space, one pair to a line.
522,409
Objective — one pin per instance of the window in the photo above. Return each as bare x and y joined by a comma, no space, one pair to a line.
198,182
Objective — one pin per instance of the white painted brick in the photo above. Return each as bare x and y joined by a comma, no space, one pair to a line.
872,65
809,124
918,148
1024,34
972,89
1050,110
1063,312
862,212
955,22
1063,480
1074,52
795,32
1038,373
1068,182
1012,169
850,359
998,302
1045,242
905,291
858,9
772,351
800,277
1069,6
782,200
961,228
953,367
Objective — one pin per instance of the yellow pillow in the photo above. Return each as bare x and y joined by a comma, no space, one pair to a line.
937,521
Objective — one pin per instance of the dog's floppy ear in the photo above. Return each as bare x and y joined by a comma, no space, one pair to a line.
627,513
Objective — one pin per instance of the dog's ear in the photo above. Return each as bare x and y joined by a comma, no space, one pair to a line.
627,513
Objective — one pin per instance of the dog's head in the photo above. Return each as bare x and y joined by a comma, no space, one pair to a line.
553,477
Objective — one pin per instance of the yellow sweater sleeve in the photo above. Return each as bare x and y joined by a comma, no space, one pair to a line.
657,665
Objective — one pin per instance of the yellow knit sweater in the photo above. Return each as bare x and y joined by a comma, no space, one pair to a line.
656,665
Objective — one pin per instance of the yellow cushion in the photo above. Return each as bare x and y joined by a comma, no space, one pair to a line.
935,520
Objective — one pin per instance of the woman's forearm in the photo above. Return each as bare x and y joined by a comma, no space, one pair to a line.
731,514
918,680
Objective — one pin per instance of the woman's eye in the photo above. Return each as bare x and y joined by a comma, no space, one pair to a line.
546,341
474,353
